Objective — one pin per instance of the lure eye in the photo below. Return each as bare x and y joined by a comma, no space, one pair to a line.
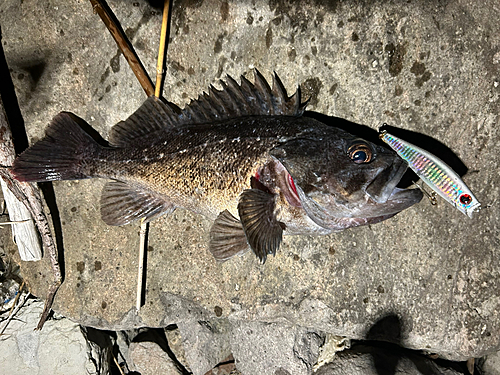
465,199
360,153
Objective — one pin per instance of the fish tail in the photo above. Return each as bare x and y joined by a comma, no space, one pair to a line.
65,153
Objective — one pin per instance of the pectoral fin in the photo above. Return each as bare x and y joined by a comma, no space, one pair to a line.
122,204
227,237
263,231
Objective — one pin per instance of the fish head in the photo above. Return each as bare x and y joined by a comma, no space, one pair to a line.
342,181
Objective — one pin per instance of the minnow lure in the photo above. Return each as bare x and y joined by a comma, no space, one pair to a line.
435,173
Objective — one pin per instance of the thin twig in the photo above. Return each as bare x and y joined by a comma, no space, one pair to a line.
140,272
161,51
117,364
100,7
17,297
13,222
145,225
16,307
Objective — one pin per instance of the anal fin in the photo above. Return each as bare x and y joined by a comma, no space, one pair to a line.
264,232
122,204
227,237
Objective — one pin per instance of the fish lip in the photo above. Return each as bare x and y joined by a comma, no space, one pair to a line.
388,178
408,196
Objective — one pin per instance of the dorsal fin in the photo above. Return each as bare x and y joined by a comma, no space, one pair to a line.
234,100
151,116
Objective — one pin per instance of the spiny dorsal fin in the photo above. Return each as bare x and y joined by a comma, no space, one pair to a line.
151,116
245,99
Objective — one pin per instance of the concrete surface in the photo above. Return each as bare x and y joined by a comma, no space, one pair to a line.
366,360
432,67
60,348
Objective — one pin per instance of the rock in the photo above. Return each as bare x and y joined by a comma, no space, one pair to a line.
370,360
205,343
61,347
132,347
174,341
99,349
490,364
308,346
149,358
428,67
273,348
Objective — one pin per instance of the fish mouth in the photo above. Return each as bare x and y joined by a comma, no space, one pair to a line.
388,199
384,200
384,184
401,199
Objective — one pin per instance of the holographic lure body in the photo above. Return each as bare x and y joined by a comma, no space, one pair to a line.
435,173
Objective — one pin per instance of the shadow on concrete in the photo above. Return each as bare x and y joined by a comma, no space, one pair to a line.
384,344
387,328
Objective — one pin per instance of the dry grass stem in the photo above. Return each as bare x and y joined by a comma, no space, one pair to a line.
161,51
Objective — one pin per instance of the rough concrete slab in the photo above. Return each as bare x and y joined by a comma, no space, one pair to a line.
431,67
60,348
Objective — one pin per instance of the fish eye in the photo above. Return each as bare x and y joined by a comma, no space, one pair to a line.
360,153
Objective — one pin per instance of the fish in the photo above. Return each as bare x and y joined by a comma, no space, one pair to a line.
435,173
244,156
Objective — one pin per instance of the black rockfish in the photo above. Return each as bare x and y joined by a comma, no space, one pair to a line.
243,156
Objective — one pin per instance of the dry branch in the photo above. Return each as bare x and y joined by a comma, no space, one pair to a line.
100,7
29,195
23,230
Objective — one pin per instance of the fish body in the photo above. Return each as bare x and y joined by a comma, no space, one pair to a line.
435,173
243,156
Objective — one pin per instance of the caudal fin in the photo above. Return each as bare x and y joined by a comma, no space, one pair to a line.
63,154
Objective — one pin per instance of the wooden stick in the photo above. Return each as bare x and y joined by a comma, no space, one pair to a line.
12,222
100,7
29,194
161,51
470,365
145,225
140,272
117,364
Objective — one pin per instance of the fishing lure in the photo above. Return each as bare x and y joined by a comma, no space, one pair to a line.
435,173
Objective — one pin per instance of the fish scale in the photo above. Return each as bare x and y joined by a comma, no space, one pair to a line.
435,173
